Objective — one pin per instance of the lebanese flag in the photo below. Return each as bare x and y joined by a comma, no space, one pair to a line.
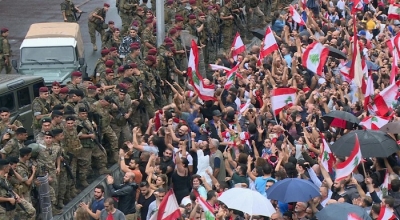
393,12
238,45
281,98
386,214
168,209
345,168
395,43
353,216
205,92
270,44
216,67
369,92
314,57
296,16
158,120
327,157
395,70
374,122
207,208
231,77
384,101
386,186
357,6
356,69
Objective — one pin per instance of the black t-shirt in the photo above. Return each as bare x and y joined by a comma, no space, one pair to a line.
207,112
145,204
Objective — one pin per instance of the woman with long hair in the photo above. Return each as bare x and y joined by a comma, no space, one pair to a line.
81,214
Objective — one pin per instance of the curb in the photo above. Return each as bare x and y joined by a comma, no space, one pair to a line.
83,3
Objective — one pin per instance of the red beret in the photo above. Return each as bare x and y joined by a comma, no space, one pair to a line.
139,9
192,2
152,52
110,22
106,5
134,46
172,31
105,52
92,87
43,89
178,28
211,7
113,49
121,69
148,21
151,58
201,14
109,63
133,65
4,30
108,70
179,18
168,40
122,86
170,2
64,90
76,74
192,16
55,83
169,44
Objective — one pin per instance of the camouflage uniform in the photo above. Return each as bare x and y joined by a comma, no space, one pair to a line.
107,130
5,215
67,7
100,69
39,107
72,148
213,35
12,147
54,100
95,24
140,21
3,126
169,14
227,29
182,11
71,86
106,82
178,57
25,192
126,8
119,124
148,37
5,50
63,180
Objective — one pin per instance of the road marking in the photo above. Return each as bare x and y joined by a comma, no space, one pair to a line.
83,3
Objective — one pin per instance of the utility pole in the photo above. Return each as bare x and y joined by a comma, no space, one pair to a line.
160,22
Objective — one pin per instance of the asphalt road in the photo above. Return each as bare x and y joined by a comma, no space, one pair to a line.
18,15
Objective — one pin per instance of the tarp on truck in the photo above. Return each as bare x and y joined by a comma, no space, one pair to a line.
57,29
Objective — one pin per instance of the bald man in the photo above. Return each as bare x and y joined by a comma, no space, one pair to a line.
126,194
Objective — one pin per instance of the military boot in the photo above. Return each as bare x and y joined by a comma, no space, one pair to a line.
56,211
94,47
60,204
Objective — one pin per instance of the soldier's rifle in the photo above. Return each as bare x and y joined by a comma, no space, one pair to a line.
12,194
6,129
76,16
96,141
67,166
121,113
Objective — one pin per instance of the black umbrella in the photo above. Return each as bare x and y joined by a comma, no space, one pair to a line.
258,33
334,52
341,119
391,127
372,144
342,211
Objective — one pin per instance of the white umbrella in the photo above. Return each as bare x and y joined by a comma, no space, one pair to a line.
247,201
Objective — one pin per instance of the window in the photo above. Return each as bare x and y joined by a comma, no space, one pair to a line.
36,88
7,101
23,97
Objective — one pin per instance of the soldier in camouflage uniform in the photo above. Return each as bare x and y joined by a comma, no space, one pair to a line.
49,160
4,194
5,51
76,82
182,13
147,86
72,149
62,177
212,30
67,8
134,54
81,102
114,56
95,23
119,122
149,40
40,108
63,95
227,28
12,147
57,118
55,95
108,83
194,10
103,108
126,8
45,127
28,172
169,14
138,19
108,34
5,122
100,66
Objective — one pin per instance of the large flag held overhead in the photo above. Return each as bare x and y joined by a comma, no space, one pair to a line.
207,208
270,44
205,92
238,45
282,97
296,16
386,100
168,209
327,158
345,168
314,57
374,122
394,12
357,6
386,214
386,185
230,77
356,69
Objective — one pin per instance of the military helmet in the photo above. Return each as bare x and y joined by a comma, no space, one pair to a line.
35,149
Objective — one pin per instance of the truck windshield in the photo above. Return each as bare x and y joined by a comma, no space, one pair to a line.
41,55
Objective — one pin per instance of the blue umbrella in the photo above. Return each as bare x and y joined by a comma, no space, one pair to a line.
371,65
293,190
341,211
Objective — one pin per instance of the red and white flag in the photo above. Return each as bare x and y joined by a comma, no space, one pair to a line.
395,69
394,12
238,45
369,92
296,16
244,107
281,98
386,99
353,216
386,214
216,67
230,77
357,6
386,185
207,208
270,44
345,168
356,69
314,57
327,158
374,122
205,92
168,209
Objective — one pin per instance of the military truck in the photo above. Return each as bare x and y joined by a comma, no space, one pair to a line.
17,93
52,51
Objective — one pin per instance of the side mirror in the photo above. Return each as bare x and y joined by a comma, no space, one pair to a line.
81,61
14,63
